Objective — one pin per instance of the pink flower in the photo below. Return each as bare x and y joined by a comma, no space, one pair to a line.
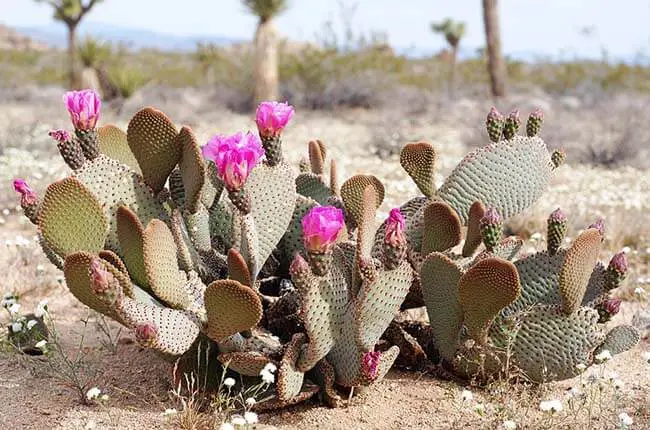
619,263
599,225
100,278
321,227
395,228
612,306
272,117
20,186
61,136
235,157
369,364
84,107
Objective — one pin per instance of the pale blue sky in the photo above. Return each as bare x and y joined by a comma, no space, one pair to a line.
541,26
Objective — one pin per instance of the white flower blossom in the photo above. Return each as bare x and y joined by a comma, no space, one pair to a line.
250,402
229,382
626,249
14,308
603,356
573,392
551,406
104,397
626,420
16,327
466,395
250,417
646,357
639,291
226,426
170,412
509,425
238,420
41,344
581,366
41,308
31,324
7,300
93,393
267,373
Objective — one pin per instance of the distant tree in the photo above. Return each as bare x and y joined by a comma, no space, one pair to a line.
496,63
453,32
266,47
71,12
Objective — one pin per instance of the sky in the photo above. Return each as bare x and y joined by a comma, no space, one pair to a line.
549,27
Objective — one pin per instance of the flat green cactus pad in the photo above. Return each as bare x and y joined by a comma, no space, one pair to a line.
439,277
509,176
289,377
441,228
577,268
115,185
473,238
419,161
312,185
352,195
112,143
538,274
230,308
71,219
161,265
192,168
619,339
130,232
550,344
152,139
237,268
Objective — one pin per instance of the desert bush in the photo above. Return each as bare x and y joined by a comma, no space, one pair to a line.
93,52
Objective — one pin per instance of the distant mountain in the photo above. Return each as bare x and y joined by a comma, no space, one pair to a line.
55,35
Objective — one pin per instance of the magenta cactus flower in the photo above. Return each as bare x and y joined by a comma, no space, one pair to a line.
61,136
235,157
100,278
84,107
271,118
146,334
21,186
612,306
369,364
616,271
321,227
395,228
599,225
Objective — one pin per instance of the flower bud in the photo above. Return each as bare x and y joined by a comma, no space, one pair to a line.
494,124
556,228
534,123
369,364
491,226
146,334
511,125
616,271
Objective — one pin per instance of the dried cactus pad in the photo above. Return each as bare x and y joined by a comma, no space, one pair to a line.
161,265
419,161
112,143
192,168
441,228
509,176
484,290
620,339
352,195
230,307
439,277
578,267
549,344
152,139
289,377
71,219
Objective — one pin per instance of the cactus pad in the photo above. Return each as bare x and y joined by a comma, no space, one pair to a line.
114,260
230,307
441,228
289,377
619,339
152,139
237,268
509,176
112,143
312,185
71,219
317,153
248,363
473,238
484,290
130,233
419,161
577,268
352,194
439,277
192,168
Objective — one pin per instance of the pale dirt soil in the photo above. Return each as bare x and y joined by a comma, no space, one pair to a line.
138,381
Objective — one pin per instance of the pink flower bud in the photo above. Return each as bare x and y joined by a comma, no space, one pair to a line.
395,228
146,334
61,136
612,306
321,227
557,216
20,186
235,157
84,107
369,364
272,117
599,225
619,263
490,218
102,280
299,266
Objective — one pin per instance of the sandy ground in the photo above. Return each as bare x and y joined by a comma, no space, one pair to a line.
138,381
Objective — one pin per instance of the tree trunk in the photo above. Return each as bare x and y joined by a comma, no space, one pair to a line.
266,63
72,56
452,71
496,63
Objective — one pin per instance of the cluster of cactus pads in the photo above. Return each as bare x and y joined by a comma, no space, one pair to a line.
225,245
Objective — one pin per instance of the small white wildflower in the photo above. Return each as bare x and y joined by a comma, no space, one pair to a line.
626,420
8,300
41,308
226,426
639,291
250,402
31,324
581,366
229,382
603,356
536,236
40,268
267,373
466,395
646,357
551,406
572,392
509,425
250,417
270,367
626,249
170,412
14,308
93,393
41,344
16,327
104,397
479,409
238,420
6,212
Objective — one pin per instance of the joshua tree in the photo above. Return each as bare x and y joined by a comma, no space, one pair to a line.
452,31
71,12
496,64
266,49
